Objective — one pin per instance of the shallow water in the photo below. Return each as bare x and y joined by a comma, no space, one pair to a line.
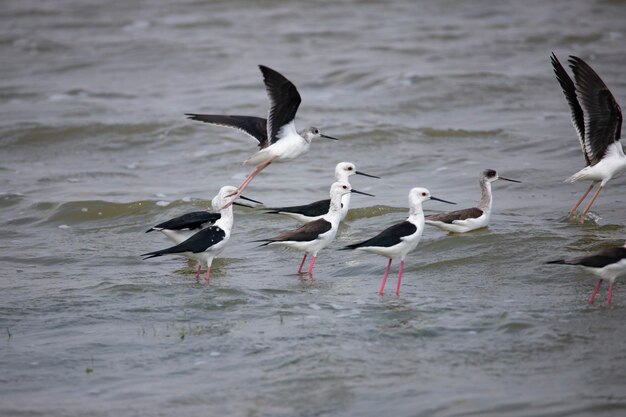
95,149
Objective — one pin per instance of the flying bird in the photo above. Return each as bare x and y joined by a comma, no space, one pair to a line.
277,135
597,119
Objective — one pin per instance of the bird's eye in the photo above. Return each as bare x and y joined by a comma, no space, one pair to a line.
350,168
315,131
423,194
345,187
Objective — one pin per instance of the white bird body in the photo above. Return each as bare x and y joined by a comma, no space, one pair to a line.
613,163
290,145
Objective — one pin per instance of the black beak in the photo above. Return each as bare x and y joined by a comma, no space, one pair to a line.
361,192
507,179
328,137
241,204
439,199
366,175
249,199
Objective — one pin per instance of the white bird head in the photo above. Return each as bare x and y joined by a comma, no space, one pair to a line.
418,195
312,132
341,188
222,197
345,169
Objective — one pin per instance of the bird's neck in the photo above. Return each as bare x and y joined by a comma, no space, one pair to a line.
341,176
225,222
416,213
334,211
486,200
305,137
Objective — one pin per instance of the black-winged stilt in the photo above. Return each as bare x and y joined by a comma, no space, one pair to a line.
183,227
206,244
461,221
401,238
609,264
309,212
277,135
597,118
316,235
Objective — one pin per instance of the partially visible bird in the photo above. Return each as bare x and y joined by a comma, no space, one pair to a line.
309,212
461,221
206,244
277,135
183,227
597,118
401,238
609,264
316,235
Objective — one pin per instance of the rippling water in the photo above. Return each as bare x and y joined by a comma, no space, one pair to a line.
95,149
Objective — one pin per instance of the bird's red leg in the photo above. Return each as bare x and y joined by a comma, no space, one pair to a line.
573,209
302,264
208,274
399,278
198,271
248,179
595,291
610,297
310,272
582,216
384,281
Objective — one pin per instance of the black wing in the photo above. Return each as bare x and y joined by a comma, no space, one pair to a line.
570,95
284,101
470,213
389,237
197,243
319,208
603,116
250,125
598,260
191,221
305,233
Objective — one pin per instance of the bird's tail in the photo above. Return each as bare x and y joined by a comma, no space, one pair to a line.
150,230
351,247
265,242
577,176
151,255
562,262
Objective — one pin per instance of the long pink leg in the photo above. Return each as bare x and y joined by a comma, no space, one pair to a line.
248,179
302,264
399,278
610,297
573,209
208,274
384,281
198,271
311,266
582,216
595,291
